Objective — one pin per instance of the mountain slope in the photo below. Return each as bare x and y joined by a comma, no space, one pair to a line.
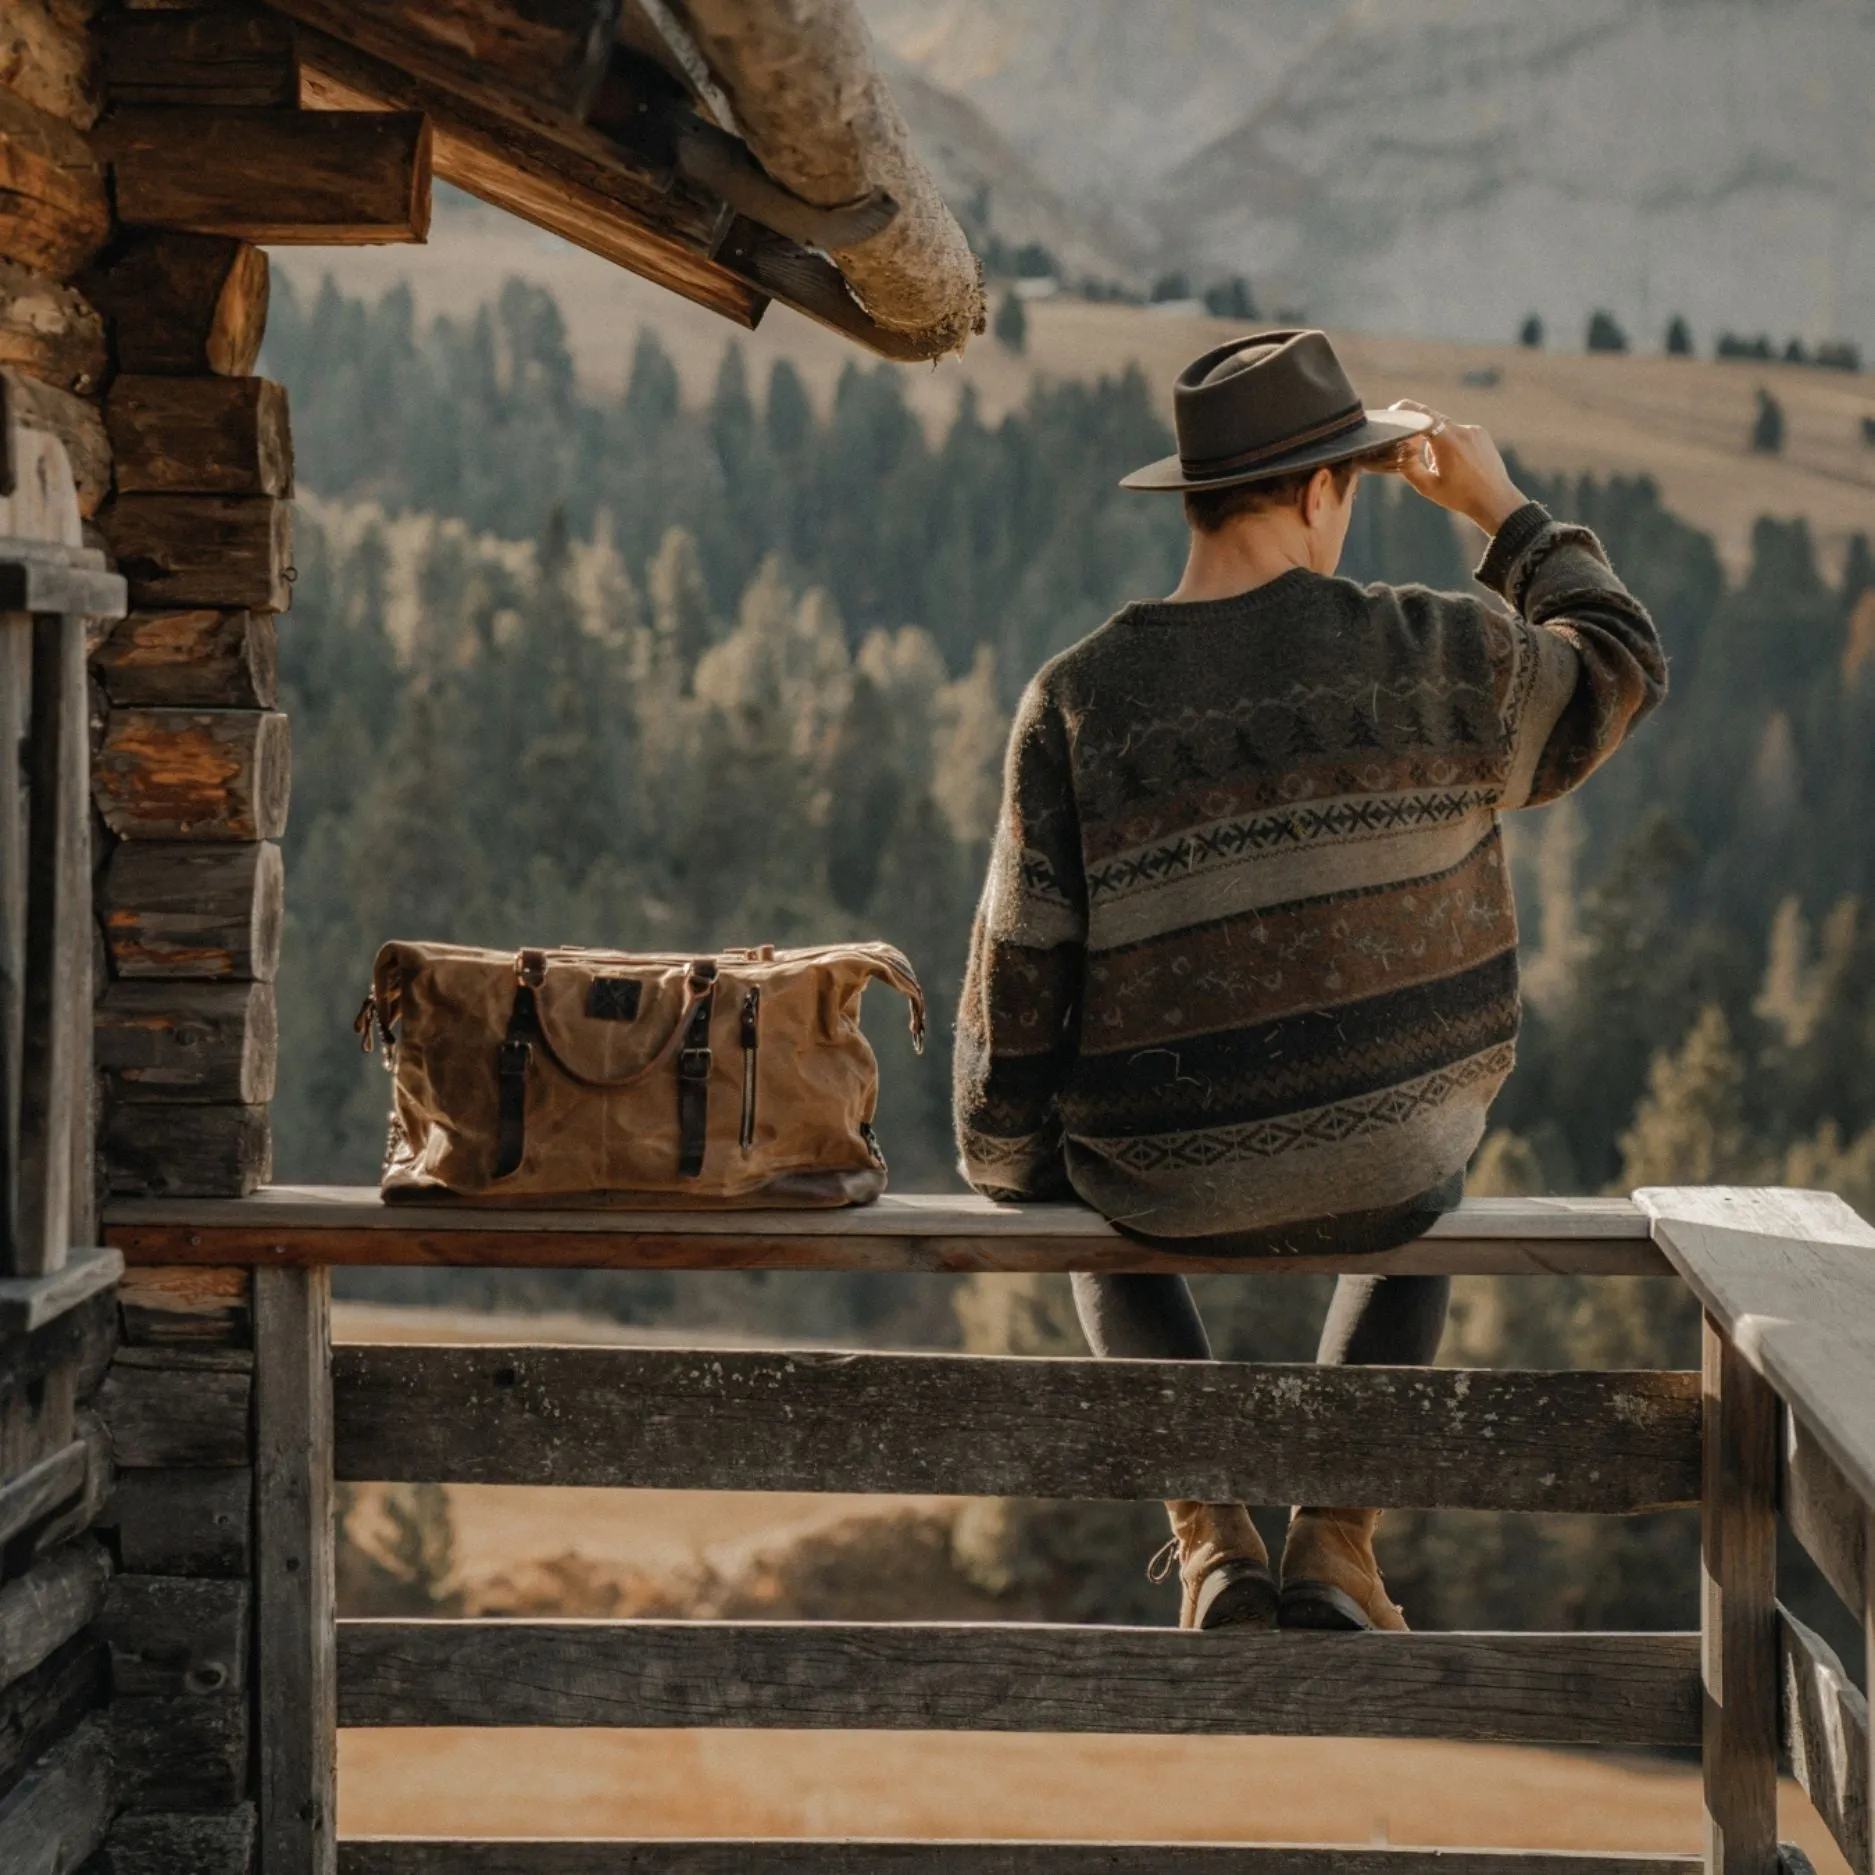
1442,167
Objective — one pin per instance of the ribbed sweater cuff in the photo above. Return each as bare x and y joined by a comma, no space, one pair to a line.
1509,544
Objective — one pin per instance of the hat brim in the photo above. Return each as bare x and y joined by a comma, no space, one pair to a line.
1381,430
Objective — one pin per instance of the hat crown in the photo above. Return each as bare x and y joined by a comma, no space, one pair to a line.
1257,398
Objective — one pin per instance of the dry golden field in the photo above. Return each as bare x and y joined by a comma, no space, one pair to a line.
1683,421
594,1783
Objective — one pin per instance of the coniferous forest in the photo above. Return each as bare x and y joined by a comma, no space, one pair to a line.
631,673
627,672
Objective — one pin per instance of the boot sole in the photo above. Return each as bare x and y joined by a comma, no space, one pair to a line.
1237,1595
1322,1606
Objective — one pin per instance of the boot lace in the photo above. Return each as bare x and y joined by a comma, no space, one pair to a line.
1163,1563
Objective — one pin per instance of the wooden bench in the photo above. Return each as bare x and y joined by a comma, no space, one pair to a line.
1784,1411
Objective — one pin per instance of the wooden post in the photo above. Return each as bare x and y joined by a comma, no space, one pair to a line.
297,1703
1738,1611
53,1026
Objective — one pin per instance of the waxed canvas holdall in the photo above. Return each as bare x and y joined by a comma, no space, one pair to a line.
603,1077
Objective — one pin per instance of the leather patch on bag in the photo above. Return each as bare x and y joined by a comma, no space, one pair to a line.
614,999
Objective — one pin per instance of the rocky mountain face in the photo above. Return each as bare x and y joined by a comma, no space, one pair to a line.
1443,167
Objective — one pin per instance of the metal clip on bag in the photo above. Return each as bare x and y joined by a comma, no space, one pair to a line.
602,1077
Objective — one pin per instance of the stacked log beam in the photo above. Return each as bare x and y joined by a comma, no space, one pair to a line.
57,1785
209,155
177,1619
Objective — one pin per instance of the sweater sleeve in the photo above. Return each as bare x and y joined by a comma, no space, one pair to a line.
1583,663
1017,1016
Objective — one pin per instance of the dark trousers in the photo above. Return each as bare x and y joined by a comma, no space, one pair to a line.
1374,1321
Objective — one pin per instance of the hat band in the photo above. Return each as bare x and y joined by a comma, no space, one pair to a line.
1208,466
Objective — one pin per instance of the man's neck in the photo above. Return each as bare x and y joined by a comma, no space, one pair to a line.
1237,560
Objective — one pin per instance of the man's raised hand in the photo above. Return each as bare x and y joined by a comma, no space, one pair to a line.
1458,466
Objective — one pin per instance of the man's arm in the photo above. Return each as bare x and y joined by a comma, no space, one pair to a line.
1015,1023
1585,663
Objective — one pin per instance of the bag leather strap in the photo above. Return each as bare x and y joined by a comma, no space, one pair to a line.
512,1060
694,1062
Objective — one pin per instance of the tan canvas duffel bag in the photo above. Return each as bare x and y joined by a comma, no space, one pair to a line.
602,1076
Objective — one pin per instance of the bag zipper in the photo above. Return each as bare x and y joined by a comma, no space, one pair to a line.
751,1006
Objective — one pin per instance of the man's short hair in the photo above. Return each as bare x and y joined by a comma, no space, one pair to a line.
1209,509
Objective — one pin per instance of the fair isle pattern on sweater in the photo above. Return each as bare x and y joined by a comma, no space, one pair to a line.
1246,955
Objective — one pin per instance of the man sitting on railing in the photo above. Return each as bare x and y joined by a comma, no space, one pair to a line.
1244,976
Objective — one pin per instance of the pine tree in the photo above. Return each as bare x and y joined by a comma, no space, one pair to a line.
1767,427
680,604
789,418
1011,329
1689,1128
652,393
1605,333
1530,334
1679,337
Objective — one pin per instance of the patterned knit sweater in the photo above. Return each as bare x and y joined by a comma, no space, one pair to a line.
1247,954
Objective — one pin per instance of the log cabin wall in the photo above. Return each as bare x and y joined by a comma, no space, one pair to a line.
58,1317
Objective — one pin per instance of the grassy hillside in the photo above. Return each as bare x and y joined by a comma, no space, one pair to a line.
1686,422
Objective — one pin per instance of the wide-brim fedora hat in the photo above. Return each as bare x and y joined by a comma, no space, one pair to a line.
1264,406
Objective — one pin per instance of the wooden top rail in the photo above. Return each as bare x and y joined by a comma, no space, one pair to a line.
309,1224
1789,1277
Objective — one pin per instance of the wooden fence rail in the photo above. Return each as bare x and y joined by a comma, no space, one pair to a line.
393,1856
1781,1420
959,1424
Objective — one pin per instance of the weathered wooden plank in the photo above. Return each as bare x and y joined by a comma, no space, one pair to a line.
216,57
54,212
1790,1276
214,1153
44,1608
212,1042
56,1816
76,422
194,910
194,774
561,176
281,178
190,550
32,1308
1561,1689
184,1523
1824,1512
294,1583
37,1421
43,1706
50,331
46,58
175,1415
1826,1736
172,1636
403,1855
42,1489
55,1045
199,658
548,54
188,303
215,1843
180,1754
932,1423
351,1224
1738,1624
200,436
186,1307
80,1513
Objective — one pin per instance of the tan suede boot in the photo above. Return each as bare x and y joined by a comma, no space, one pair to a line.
1223,1569
1330,1577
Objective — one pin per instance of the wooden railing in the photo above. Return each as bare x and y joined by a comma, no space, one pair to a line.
1784,1410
